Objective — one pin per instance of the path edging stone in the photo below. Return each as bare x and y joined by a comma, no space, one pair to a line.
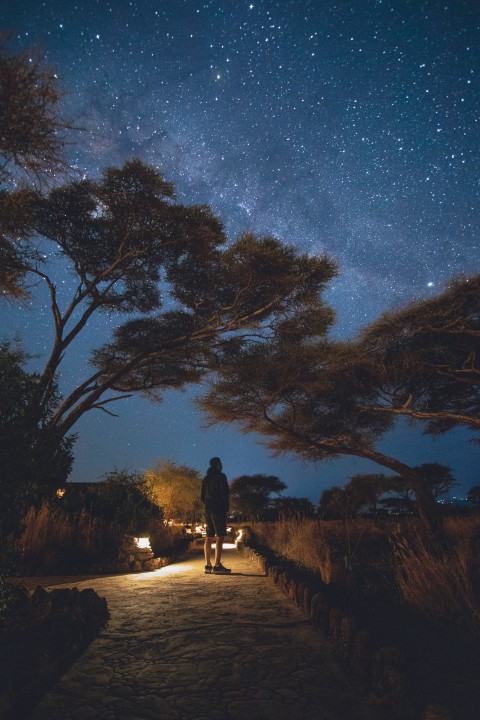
383,670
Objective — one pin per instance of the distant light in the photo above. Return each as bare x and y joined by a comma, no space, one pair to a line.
239,537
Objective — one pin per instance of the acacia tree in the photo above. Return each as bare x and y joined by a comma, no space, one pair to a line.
400,497
32,137
338,503
301,396
250,495
293,508
473,495
423,360
369,488
437,477
187,296
176,489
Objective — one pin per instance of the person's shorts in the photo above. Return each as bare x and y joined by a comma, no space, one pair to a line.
216,521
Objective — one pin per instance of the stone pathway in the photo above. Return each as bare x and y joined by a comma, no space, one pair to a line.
181,644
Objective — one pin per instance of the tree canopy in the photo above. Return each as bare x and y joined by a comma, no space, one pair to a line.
188,297
300,394
251,495
32,140
176,489
32,133
423,360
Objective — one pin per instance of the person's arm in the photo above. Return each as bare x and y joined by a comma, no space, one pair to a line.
227,493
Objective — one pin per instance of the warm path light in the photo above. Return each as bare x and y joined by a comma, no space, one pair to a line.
143,542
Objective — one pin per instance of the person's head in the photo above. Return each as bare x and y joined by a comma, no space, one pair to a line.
216,463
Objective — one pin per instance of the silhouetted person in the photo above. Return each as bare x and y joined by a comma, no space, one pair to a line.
215,496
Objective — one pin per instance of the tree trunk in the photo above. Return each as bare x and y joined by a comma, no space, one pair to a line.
427,508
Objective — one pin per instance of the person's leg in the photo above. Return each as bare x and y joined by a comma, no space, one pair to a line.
218,549
220,523
210,534
208,551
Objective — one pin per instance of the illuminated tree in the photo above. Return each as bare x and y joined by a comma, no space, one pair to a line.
176,489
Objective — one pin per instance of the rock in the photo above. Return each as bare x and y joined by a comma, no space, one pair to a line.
152,564
362,653
436,712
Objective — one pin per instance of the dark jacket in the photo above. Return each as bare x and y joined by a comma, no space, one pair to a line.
215,491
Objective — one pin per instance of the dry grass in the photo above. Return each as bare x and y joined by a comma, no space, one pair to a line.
327,548
393,560
55,541
441,583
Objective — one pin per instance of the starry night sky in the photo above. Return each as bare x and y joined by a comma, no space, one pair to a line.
350,128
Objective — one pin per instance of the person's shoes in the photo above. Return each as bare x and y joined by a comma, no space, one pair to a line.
208,569
220,570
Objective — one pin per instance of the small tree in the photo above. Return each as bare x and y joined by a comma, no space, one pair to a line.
438,477
250,495
339,503
176,489
369,488
401,498
124,499
293,508
473,495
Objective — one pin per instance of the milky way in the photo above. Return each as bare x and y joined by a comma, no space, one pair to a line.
346,128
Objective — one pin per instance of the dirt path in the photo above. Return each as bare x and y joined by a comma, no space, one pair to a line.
181,644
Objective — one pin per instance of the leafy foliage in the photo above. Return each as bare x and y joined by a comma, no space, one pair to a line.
293,508
25,472
473,495
189,299
423,359
32,137
300,393
31,132
122,499
176,489
250,495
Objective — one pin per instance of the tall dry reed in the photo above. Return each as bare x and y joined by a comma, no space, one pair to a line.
332,549
441,582
55,541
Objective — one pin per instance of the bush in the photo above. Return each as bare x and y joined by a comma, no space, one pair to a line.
122,499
